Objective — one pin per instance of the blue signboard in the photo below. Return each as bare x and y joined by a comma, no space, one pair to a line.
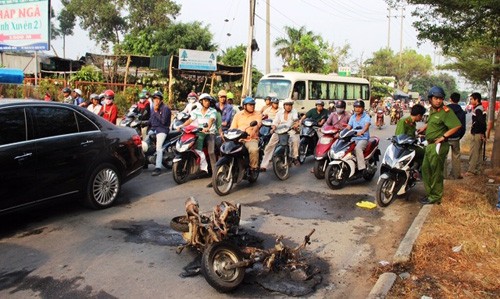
197,60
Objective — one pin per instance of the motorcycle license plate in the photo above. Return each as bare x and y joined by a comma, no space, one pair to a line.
325,140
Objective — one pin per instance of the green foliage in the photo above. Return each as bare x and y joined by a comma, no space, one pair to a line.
123,100
404,67
303,51
468,31
87,73
151,14
234,56
168,40
380,87
103,20
424,83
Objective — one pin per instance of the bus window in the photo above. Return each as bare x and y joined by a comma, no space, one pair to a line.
299,91
357,91
318,90
340,91
280,88
365,92
350,94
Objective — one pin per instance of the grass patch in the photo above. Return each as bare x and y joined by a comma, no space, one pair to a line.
467,219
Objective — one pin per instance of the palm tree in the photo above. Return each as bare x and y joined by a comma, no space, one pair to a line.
286,45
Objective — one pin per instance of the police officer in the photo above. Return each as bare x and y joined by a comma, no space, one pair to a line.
408,126
441,125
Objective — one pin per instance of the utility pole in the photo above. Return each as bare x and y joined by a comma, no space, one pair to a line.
389,28
247,73
401,37
268,36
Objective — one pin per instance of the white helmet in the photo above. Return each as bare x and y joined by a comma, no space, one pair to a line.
77,91
288,101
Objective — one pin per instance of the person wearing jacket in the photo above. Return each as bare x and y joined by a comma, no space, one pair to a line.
454,140
110,111
159,123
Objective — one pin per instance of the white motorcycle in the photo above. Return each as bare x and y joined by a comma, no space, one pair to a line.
398,172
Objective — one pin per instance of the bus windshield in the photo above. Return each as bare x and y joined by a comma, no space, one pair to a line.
275,88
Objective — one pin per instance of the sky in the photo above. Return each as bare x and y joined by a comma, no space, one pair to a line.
363,24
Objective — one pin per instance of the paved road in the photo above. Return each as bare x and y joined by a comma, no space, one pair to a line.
128,251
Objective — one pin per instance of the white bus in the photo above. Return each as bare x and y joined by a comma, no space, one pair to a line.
306,88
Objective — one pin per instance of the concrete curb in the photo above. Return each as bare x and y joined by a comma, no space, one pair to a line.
386,280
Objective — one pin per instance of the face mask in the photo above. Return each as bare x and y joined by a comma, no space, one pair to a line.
108,102
142,100
340,110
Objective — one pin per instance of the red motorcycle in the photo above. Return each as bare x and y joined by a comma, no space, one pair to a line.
321,158
343,165
187,160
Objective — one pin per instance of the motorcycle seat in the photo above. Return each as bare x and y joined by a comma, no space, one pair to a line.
372,144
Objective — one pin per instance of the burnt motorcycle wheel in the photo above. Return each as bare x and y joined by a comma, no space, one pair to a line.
214,260
281,167
302,152
180,224
319,173
222,180
332,177
384,196
180,171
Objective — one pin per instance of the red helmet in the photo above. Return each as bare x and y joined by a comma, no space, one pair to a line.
109,94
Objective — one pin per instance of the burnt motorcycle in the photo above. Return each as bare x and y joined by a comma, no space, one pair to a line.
216,236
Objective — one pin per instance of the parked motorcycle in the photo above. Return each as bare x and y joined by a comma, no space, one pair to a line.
321,151
187,161
308,139
343,165
234,164
398,172
380,118
149,146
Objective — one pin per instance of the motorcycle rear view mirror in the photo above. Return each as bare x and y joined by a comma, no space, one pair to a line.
253,123
358,128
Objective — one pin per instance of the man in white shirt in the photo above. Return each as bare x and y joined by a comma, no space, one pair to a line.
286,116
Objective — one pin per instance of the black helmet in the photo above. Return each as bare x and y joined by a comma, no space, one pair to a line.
359,103
66,90
437,92
275,100
340,104
158,94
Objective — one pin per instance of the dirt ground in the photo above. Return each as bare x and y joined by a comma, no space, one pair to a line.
457,254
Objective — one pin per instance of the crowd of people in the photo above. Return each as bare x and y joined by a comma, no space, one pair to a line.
443,130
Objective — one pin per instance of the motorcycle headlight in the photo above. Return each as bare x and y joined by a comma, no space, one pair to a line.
182,147
404,162
338,155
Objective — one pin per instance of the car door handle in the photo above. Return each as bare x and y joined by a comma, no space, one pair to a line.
23,156
87,142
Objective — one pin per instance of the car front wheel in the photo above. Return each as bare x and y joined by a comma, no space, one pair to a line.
103,187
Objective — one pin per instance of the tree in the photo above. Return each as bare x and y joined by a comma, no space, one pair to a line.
380,87
234,56
455,25
107,21
405,67
337,56
303,51
66,25
422,84
166,41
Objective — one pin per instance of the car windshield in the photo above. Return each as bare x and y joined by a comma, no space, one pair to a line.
275,88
